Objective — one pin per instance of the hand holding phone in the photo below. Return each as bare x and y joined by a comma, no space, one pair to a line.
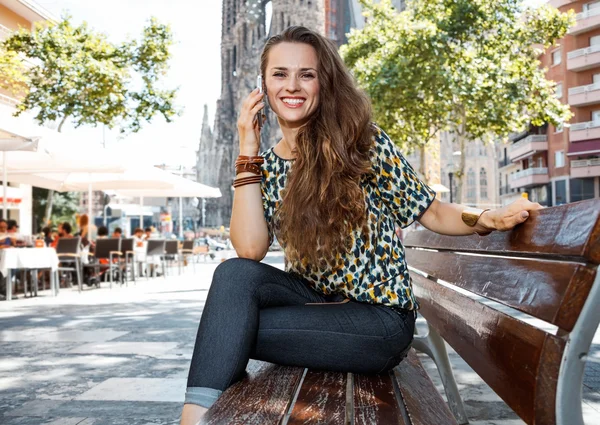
260,116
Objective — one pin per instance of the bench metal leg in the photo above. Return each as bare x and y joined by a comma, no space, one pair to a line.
434,346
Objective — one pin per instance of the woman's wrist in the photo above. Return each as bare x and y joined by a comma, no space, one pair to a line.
248,151
486,223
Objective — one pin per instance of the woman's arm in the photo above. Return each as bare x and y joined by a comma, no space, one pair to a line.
248,228
445,219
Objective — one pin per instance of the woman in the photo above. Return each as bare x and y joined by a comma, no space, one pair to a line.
331,190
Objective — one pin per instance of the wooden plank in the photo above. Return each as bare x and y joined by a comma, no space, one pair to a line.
375,401
505,352
321,399
424,404
551,291
262,398
569,232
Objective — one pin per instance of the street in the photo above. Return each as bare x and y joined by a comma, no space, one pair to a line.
121,356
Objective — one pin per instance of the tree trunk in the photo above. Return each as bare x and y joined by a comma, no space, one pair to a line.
422,167
49,201
460,174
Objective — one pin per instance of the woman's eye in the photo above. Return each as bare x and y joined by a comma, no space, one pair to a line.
308,76
279,74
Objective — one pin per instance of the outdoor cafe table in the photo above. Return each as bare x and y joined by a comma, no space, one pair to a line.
27,258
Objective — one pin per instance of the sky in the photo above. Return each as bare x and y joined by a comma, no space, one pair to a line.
195,68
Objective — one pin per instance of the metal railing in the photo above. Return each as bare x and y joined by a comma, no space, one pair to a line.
582,52
5,32
529,139
7,100
588,14
530,172
584,89
585,125
585,163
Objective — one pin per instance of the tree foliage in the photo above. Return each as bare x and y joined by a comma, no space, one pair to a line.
65,207
466,66
77,74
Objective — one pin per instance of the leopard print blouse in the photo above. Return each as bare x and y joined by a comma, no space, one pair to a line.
374,270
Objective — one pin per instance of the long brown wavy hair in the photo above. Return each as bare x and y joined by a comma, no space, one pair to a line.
323,202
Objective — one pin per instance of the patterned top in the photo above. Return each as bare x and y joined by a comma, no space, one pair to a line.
374,270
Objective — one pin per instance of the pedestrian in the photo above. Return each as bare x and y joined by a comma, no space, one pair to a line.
331,191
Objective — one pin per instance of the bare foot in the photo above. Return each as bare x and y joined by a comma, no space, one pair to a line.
192,414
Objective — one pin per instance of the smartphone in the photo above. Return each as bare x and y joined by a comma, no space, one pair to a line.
261,114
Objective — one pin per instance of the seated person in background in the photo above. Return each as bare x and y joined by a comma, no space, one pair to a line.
13,231
5,239
117,233
138,237
48,239
102,232
64,231
147,233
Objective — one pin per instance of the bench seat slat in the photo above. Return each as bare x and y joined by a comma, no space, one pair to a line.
551,291
504,351
424,405
321,399
570,232
261,398
375,401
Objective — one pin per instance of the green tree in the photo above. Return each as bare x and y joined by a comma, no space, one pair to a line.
466,66
76,74
65,207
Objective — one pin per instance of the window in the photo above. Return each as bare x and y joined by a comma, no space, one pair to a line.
561,192
559,159
590,6
559,90
581,189
483,184
556,57
596,78
471,185
595,40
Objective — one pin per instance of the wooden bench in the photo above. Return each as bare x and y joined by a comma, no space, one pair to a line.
470,289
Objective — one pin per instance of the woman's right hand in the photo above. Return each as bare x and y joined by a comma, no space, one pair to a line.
248,125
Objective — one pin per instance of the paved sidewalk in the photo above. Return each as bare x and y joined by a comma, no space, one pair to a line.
121,356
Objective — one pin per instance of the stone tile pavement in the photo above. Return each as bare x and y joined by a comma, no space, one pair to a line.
121,356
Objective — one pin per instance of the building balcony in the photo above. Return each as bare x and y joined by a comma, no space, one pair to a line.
585,168
527,147
584,95
530,177
560,3
586,21
507,190
5,32
582,59
584,131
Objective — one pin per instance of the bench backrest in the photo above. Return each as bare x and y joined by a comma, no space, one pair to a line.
546,268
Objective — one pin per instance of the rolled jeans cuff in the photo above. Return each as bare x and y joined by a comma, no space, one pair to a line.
202,396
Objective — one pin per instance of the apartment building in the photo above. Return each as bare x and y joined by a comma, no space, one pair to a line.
562,164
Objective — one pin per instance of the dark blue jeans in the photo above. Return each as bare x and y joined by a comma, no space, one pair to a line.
257,311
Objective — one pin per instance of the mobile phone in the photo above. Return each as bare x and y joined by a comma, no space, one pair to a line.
260,114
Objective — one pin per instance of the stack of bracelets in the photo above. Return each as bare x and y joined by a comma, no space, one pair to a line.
248,164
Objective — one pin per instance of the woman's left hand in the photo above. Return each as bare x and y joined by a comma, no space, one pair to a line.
505,218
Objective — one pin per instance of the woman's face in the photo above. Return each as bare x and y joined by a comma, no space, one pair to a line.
292,82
